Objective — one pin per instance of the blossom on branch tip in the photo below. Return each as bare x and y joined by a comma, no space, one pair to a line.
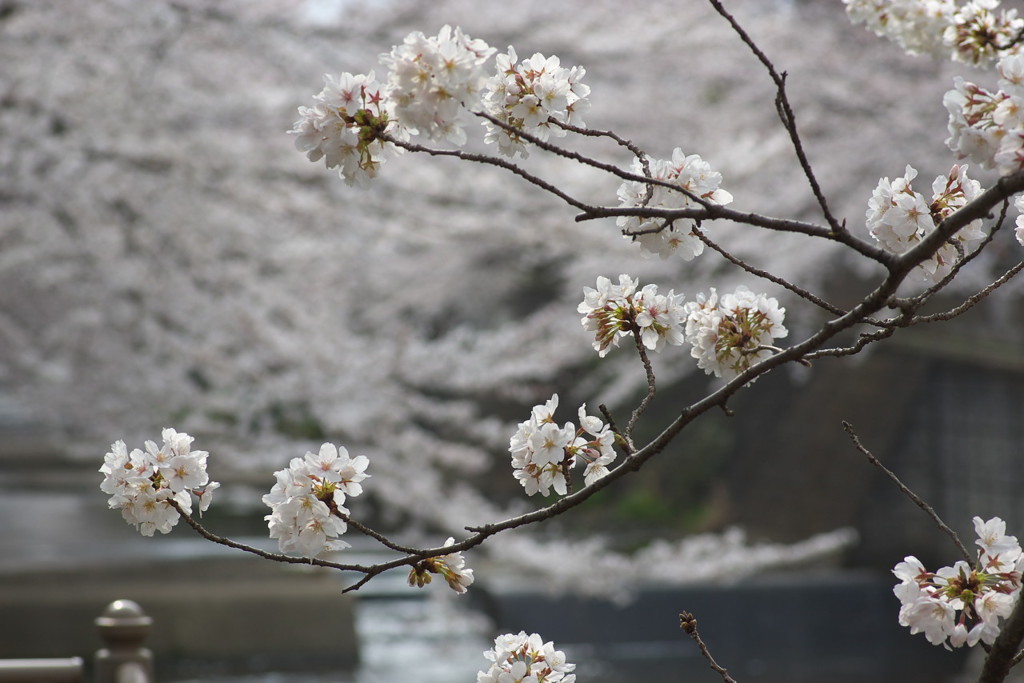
974,33
543,454
432,80
613,311
915,25
1018,203
522,658
963,605
656,236
731,333
143,484
346,125
451,566
307,502
898,218
532,96
979,36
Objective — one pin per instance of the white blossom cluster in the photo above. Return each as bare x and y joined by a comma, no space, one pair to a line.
308,501
431,86
978,35
451,566
431,79
988,127
544,453
143,483
694,178
962,604
731,333
344,127
978,32
530,96
522,658
613,311
899,217
728,334
1018,204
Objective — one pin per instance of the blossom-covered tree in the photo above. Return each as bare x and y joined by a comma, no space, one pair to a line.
436,92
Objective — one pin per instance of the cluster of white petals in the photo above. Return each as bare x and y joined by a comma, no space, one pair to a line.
613,311
976,33
345,125
1018,204
979,34
915,25
451,566
433,84
899,218
143,483
963,605
733,332
988,127
308,501
544,453
433,80
533,96
522,658
656,236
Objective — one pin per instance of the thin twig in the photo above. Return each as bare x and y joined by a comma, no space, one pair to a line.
620,438
907,492
802,293
277,557
379,537
641,156
719,212
972,300
688,623
863,340
594,163
786,114
494,161
650,386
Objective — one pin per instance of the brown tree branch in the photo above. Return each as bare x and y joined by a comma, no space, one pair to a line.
905,490
1005,651
786,115
646,401
688,623
799,291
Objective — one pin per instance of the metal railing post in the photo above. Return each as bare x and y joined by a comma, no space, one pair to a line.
122,628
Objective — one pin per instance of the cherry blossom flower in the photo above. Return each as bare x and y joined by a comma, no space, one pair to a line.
694,178
915,25
307,502
898,218
543,453
345,127
731,333
614,311
533,96
143,483
522,658
977,33
974,33
451,566
433,80
963,604
1018,232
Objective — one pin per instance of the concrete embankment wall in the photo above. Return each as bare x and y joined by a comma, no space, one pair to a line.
229,613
